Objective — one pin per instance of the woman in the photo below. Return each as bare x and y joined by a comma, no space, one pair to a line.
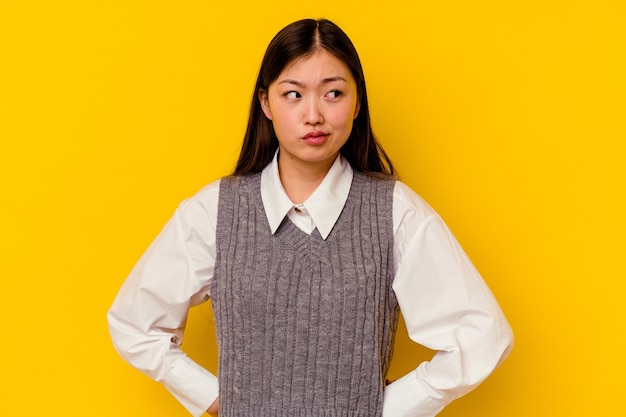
307,253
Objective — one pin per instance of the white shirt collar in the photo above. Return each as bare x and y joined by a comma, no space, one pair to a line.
324,205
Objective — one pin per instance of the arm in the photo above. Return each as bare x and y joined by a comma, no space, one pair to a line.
147,318
447,307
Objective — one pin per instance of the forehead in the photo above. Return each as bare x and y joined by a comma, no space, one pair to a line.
320,65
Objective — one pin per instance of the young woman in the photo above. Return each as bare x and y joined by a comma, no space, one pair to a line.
307,253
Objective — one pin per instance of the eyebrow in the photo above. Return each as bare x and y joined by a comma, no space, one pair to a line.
324,81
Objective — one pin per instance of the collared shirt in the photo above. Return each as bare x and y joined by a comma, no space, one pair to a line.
446,305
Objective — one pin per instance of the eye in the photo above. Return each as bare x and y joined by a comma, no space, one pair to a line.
292,94
334,94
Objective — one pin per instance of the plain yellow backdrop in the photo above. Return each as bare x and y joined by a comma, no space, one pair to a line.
507,116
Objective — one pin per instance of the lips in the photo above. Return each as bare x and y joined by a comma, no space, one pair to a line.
316,137
314,134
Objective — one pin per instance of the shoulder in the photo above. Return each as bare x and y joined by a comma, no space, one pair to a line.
373,177
407,202
374,181
206,195
200,209
209,194
231,182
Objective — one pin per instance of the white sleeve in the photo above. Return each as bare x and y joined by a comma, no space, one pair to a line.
446,306
147,318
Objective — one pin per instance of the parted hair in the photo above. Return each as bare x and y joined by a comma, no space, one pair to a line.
297,40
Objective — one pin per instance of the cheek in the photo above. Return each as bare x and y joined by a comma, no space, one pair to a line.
284,123
343,116
283,120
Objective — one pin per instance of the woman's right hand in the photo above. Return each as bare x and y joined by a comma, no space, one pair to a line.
214,407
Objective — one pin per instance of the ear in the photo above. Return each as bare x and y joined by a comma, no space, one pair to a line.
265,103
357,108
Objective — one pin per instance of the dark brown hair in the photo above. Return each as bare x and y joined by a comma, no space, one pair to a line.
297,40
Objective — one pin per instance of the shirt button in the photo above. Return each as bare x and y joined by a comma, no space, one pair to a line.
298,210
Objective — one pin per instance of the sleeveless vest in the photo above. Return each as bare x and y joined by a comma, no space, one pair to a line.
305,326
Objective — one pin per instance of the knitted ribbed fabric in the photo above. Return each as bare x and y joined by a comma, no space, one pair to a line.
305,326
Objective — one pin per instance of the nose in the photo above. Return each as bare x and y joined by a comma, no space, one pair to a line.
313,114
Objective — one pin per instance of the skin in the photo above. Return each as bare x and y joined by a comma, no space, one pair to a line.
214,407
313,94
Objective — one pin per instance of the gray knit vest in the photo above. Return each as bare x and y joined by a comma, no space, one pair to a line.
305,326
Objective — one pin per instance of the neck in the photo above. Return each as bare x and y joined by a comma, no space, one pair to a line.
301,180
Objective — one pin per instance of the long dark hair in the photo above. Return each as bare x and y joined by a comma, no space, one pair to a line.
297,40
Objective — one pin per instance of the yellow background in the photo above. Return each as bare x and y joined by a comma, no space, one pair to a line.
507,116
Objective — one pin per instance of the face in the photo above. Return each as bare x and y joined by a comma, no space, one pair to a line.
312,105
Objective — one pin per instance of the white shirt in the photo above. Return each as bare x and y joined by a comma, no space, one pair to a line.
445,303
